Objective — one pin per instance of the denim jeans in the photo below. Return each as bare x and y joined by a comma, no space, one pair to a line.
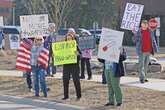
51,68
143,65
39,75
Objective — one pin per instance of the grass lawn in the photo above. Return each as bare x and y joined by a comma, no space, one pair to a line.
94,95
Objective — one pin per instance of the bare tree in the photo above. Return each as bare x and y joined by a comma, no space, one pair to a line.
58,10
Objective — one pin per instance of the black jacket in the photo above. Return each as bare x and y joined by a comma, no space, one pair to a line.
119,67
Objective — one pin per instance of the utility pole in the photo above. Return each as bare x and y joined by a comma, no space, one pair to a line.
13,12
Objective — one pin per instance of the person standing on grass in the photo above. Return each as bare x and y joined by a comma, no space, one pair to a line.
71,69
38,71
145,46
51,70
86,56
113,72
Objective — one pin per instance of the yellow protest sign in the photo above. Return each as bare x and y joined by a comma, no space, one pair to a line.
64,52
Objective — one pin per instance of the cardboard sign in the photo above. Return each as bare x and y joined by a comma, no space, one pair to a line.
110,44
14,41
88,42
34,25
65,52
132,16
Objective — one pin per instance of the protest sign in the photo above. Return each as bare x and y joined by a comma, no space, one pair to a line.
88,42
132,16
110,44
65,52
34,25
87,53
14,41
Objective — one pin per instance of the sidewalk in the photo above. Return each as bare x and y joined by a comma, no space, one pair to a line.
19,103
154,84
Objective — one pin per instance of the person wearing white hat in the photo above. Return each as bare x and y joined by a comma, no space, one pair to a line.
84,59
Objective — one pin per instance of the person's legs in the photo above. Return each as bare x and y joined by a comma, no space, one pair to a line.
103,75
42,81
82,68
110,89
36,80
77,85
88,66
53,69
115,82
66,77
146,62
49,67
141,68
29,80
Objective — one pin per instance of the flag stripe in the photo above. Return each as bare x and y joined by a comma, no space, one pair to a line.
43,58
21,60
23,57
21,49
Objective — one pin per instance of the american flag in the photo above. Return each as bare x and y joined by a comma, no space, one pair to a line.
44,56
23,57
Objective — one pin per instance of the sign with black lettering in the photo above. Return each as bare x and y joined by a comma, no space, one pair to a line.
65,52
132,16
34,25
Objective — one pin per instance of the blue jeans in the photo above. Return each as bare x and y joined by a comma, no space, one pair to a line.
39,74
51,68
143,65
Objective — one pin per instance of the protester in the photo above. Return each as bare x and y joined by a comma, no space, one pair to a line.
71,70
145,46
113,72
85,58
37,70
51,70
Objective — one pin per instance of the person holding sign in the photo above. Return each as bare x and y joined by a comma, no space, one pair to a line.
145,46
37,70
113,72
71,69
86,56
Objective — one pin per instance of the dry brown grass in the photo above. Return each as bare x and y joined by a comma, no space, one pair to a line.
94,95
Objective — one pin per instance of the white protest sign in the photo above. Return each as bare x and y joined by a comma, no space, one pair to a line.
110,44
132,16
34,25
14,41
1,21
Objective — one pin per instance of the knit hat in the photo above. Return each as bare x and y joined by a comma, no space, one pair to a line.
71,30
144,21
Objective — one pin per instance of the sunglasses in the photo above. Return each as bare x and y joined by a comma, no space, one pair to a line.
39,39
